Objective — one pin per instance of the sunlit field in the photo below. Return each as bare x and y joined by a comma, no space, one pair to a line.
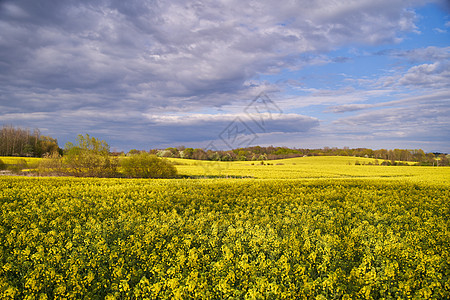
314,167
301,228
14,160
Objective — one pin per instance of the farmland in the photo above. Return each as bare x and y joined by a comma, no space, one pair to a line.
331,167
304,228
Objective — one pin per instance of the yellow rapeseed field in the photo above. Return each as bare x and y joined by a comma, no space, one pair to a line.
314,167
302,228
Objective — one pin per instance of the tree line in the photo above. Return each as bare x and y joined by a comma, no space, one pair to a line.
26,143
272,153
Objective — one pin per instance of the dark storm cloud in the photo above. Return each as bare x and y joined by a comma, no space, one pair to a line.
173,49
201,127
77,66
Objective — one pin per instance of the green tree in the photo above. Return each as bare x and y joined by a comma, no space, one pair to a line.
145,165
418,155
431,158
133,152
443,160
173,152
187,153
89,158
46,145
199,154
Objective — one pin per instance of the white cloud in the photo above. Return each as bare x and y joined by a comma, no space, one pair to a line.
177,50
154,67
436,75
439,30
421,118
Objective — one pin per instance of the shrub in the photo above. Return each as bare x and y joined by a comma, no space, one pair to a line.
3,166
89,158
144,165
18,166
51,164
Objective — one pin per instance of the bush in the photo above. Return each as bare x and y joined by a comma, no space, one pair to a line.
89,158
51,164
144,165
3,166
18,166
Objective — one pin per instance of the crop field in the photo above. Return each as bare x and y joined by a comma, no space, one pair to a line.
302,228
15,160
331,167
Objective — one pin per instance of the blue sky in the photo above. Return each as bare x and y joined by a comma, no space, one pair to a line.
221,74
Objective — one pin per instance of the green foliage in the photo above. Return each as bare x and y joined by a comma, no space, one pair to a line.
76,238
271,153
46,145
187,153
18,166
51,164
144,165
87,143
89,158
2,165
133,152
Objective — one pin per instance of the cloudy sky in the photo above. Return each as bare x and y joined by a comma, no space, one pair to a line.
224,73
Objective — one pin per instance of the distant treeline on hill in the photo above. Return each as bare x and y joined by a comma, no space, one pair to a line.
273,153
22,142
